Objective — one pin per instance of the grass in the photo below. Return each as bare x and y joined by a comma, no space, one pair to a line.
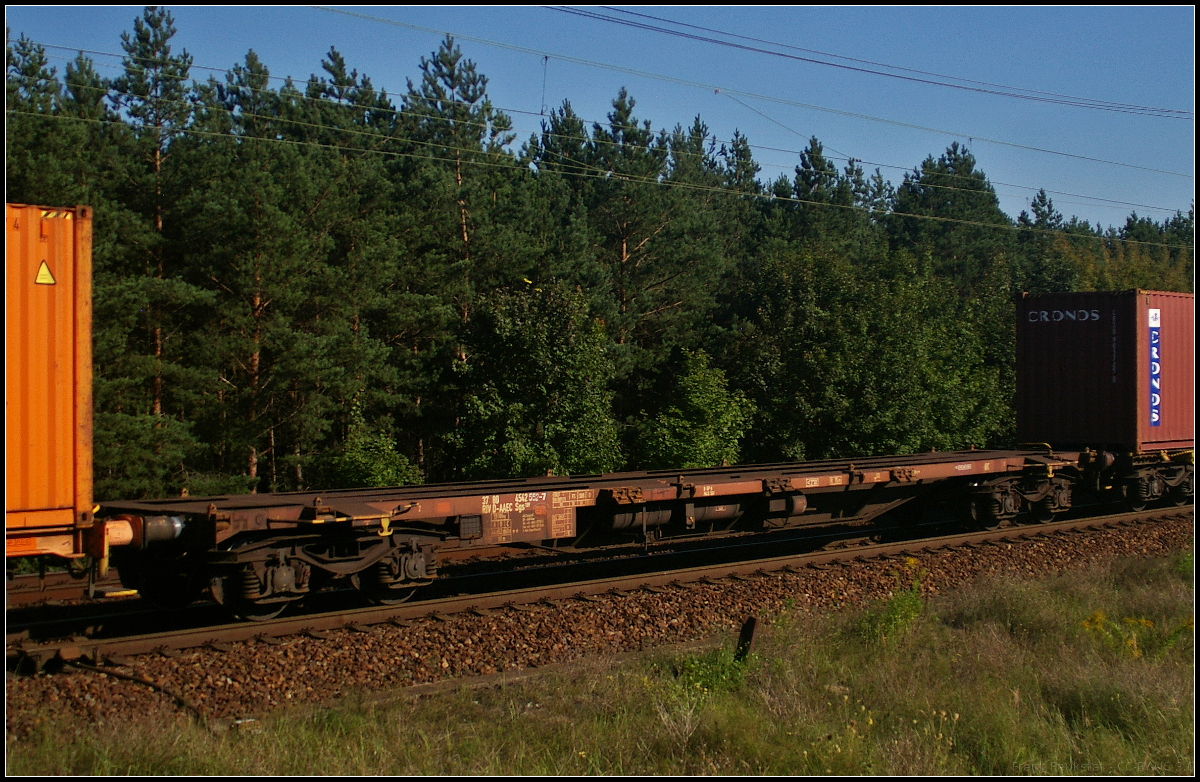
1003,678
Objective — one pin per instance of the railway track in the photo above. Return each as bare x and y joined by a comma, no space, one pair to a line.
74,614
33,589
27,653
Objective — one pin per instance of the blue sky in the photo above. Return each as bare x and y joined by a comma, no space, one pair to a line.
1140,56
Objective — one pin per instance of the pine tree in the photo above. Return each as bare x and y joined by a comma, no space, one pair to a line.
963,205
1044,268
452,121
35,142
296,241
154,95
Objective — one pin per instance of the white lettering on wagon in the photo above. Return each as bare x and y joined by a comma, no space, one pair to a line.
562,524
1058,316
572,499
525,501
1155,319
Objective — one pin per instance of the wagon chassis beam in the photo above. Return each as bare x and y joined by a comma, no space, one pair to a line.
40,654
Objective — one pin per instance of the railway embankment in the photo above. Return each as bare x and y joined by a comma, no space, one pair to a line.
1050,655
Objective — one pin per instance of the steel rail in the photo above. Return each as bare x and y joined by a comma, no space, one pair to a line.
219,636
25,590
520,560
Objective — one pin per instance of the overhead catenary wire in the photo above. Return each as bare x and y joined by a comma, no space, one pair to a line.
852,159
746,94
995,89
409,110
585,171
545,133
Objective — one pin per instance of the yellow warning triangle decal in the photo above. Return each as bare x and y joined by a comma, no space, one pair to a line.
44,277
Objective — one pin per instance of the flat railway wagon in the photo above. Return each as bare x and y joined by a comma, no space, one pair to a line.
259,553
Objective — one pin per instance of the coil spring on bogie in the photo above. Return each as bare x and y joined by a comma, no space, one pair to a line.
991,511
990,505
251,587
1185,491
385,572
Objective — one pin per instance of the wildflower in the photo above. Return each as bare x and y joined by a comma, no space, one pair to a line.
1094,622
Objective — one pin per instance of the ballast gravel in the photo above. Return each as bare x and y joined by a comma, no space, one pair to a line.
255,678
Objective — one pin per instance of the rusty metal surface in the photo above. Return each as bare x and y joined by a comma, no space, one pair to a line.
31,589
537,509
48,378
1084,363
215,636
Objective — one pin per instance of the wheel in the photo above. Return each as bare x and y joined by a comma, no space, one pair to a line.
382,585
986,512
1042,511
1137,494
258,612
391,597
1184,493
224,588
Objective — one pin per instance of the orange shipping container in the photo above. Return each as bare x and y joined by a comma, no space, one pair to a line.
48,379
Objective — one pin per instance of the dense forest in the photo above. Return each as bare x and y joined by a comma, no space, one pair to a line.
315,285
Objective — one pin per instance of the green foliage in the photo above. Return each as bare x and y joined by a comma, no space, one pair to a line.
1186,566
897,614
965,242
1137,637
139,455
368,458
704,423
713,671
266,255
833,378
538,403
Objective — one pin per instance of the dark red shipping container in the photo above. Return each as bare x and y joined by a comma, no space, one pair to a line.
1114,370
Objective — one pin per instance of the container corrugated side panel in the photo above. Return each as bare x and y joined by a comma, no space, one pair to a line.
1177,365
48,415
1076,380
